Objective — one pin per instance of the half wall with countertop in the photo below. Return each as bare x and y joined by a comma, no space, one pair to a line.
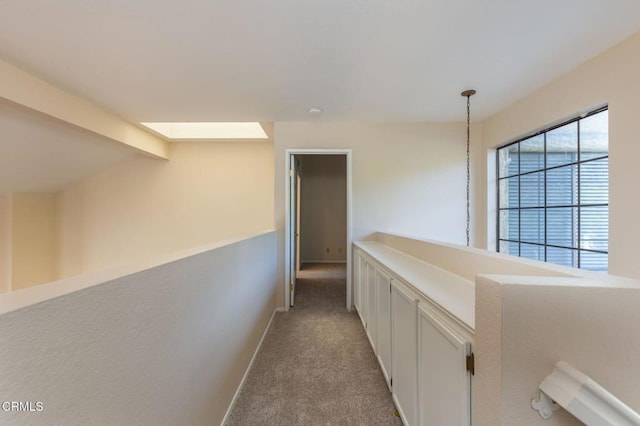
436,303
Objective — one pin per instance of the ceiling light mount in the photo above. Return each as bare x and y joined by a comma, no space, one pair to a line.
315,110
468,93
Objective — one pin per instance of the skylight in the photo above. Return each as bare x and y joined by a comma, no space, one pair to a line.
208,130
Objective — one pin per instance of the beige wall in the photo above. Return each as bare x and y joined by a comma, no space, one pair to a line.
323,233
5,242
407,178
27,90
612,78
33,239
144,207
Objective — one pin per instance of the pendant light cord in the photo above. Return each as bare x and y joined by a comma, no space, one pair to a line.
468,94
468,171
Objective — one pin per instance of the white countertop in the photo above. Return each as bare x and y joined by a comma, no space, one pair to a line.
451,292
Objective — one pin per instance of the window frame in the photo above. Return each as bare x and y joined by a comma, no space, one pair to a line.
576,249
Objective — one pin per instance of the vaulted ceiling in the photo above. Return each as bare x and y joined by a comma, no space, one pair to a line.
270,60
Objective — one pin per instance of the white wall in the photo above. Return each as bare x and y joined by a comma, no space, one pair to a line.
612,78
469,262
143,207
161,346
5,242
323,208
407,178
524,326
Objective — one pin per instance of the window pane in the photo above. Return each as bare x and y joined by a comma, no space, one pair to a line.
531,251
594,261
594,135
532,190
532,154
562,226
562,145
508,247
509,225
508,161
566,257
562,186
594,182
532,225
553,200
509,192
594,228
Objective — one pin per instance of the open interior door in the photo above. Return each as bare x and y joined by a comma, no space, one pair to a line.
298,191
293,227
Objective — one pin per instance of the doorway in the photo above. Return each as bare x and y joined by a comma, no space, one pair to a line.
320,231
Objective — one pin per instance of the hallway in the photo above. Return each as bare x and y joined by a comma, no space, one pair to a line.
315,366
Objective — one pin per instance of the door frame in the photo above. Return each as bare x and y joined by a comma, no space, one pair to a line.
287,211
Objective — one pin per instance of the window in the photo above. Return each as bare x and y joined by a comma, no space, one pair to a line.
553,194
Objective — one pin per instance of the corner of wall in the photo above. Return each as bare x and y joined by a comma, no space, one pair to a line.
33,235
487,383
6,201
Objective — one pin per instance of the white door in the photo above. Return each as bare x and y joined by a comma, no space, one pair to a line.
404,360
444,382
383,286
298,189
293,240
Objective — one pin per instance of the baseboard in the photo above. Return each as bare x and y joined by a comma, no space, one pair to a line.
323,261
399,408
246,373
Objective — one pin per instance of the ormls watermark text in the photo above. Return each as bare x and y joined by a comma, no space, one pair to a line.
22,406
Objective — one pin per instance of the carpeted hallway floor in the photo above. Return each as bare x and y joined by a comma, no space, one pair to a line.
315,366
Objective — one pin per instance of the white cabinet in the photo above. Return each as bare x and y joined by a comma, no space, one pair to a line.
361,287
419,320
356,280
404,363
444,384
371,308
383,287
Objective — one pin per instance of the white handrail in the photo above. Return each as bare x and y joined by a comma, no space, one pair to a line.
584,398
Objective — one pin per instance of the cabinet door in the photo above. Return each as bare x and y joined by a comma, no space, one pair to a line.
356,280
363,289
383,286
443,381
404,362
372,319
362,310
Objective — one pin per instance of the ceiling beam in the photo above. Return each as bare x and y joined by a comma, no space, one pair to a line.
25,89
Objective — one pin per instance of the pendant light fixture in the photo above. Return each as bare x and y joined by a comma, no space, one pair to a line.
468,94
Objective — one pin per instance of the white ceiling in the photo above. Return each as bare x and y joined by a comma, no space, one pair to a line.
270,60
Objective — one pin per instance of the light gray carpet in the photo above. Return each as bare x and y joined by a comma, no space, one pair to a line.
315,366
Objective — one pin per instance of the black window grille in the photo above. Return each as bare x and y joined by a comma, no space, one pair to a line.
553,194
